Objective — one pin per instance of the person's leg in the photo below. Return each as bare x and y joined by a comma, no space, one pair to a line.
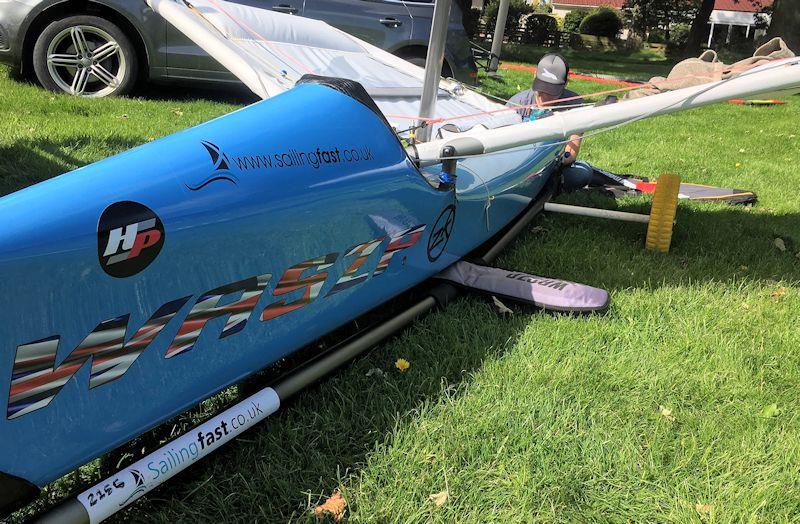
575,176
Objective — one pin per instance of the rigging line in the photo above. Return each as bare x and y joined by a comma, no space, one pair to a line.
584,135
577,97
243,25
484,93
436,120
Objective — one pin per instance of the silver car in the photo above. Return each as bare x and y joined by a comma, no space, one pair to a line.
105,47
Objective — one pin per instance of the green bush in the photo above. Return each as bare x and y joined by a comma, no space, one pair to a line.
573,19
538,27
516,10
656,36
603,21
678,35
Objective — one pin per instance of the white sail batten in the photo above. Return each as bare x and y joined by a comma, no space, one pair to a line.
269,51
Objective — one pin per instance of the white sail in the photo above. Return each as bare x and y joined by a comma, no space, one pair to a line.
270,51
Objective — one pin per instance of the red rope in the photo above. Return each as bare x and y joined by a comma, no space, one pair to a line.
572,74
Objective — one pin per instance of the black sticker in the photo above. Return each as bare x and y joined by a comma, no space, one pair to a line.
221,170
129,238
440,234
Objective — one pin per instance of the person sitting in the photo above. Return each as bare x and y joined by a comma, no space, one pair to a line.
548,93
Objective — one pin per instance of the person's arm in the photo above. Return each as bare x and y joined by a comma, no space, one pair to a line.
573,147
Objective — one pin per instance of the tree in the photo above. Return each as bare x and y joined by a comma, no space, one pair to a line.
573,19
644,16
699,27
517,9
603,21
785,23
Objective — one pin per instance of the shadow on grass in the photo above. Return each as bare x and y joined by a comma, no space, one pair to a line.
229,93
711,242
28,162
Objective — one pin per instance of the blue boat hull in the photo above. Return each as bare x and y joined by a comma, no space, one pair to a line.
137,286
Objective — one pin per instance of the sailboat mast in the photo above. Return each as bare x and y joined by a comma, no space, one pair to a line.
433,65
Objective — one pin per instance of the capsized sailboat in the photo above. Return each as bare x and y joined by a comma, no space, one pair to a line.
148,281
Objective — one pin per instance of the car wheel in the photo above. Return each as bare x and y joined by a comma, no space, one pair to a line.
420,61
85,56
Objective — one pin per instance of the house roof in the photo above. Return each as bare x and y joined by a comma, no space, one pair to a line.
747,6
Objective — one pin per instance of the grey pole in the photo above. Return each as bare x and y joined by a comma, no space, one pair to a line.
433,64
497,36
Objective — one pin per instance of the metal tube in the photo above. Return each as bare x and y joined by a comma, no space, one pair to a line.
315,371
497,36
596,213
433,65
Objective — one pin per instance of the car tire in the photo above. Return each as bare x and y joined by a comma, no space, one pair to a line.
85,56
420,61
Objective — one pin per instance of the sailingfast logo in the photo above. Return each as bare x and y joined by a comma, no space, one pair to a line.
220,171
129,237
224,165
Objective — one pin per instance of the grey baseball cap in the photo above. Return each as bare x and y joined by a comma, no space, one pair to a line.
551,75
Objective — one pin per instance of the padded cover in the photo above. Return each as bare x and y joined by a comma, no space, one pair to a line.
547,293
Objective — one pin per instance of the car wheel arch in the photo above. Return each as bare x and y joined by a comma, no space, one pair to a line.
420,51
65,8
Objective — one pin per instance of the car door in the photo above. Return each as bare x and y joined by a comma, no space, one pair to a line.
185,59
383,23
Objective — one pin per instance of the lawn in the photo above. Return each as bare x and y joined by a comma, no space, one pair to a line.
679,404
638,65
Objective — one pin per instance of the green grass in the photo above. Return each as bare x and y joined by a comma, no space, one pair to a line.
638,65
533,417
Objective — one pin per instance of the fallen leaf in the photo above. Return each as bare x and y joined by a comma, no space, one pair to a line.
334,506
702,508
741,150
177,112
500,307
439,498
738,164
124,117
778,293
769,410
780,244
744,268
402,364
745,306
666,413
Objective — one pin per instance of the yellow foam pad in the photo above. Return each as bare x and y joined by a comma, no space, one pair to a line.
662,213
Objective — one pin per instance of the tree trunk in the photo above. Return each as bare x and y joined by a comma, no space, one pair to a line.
698,29
786,23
